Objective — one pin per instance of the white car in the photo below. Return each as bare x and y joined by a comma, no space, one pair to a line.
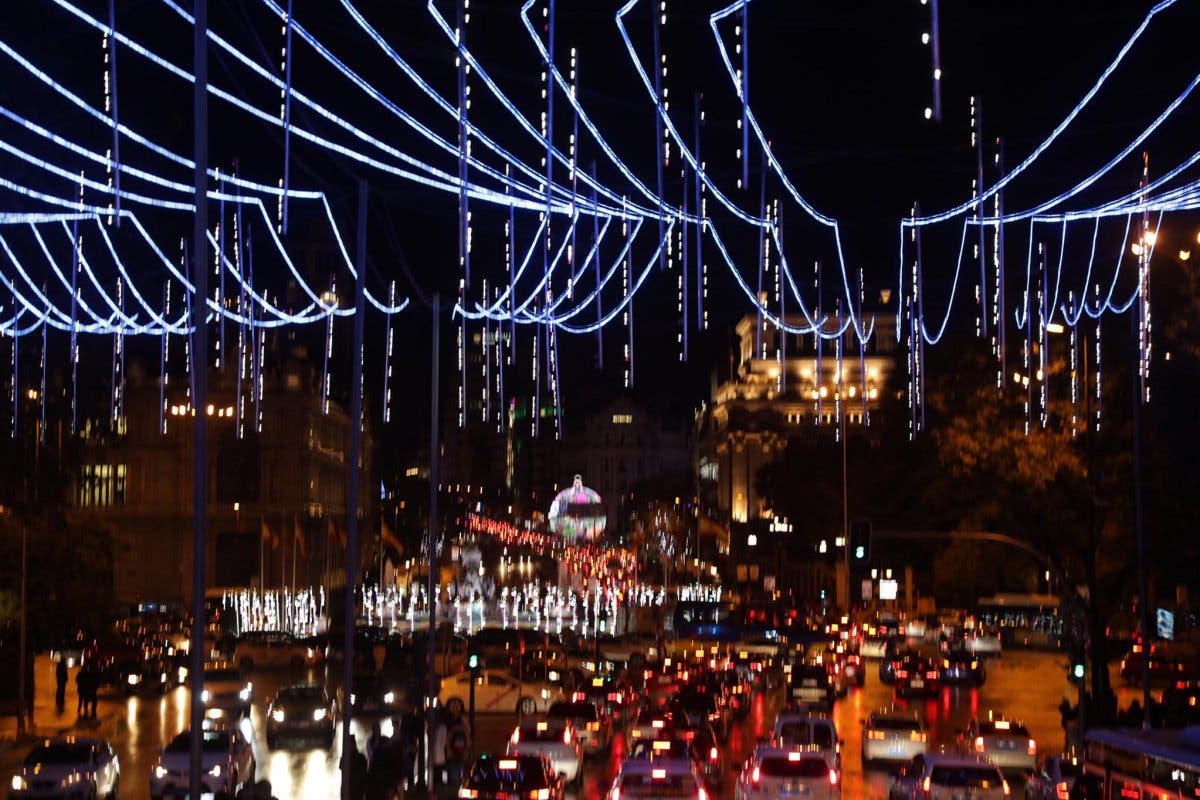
809,732
873,646
774,772
496,690
554,738
257,649
946,776
1002,741
675,779
226,758
982,643
68,767
893,734
226,693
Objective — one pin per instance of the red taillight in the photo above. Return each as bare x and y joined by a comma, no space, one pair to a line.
1007,788
902,674
1032,747
701,794
756,775
925,784
931,675
979,744
833,777
1062,791
713,754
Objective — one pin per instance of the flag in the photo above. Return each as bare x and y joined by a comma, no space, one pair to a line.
334,530
268,536
389,538
301,543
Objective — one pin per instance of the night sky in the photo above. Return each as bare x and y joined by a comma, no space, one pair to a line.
839,88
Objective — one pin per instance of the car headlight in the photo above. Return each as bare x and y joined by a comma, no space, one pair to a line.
19,784
205,696
277,715
132,679
353,698
215,771
389,698
244,694
160,772
545,694
183,673
319,714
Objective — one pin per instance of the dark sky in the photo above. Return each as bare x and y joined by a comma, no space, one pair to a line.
839,87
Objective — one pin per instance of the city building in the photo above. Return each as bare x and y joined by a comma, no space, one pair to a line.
277,493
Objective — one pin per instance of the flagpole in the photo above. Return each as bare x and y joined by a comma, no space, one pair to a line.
295,530
262,556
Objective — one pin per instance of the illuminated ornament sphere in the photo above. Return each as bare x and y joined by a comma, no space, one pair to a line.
577,513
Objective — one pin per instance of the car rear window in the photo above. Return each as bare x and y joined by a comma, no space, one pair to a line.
585,711
966,777
644,749
59,754
895,724
541,732
214,742
507,775
781,767
802,733
1002,729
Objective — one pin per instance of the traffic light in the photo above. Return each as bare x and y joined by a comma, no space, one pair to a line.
474,662
860,544
1077,666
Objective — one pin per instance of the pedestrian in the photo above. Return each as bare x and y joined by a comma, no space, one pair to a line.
93,689
81,679
437,751
355,763
374,742
60,683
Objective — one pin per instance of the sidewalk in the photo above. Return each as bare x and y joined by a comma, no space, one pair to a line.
47,721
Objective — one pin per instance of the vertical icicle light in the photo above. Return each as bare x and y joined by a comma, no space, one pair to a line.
242,329
1149,236
41,434
76,255
118,367
485,356
1043,373
998,322
325,389
112,108
981,288
16,363
285,115
627,313
1074,367
1099,365
701,274
839,387
163,365
818,345
187,304
387,357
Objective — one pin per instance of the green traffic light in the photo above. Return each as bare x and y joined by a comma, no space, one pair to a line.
1078,670
473,661
860,552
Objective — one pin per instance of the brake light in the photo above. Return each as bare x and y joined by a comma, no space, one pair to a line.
468,793
925,784
1032,747
756,775
658,774
1007,789
917,736
901,674
567,736
593,726
833,777
875,735
701,794
713,754
539,794
1062,791
516,737
931,675
978,744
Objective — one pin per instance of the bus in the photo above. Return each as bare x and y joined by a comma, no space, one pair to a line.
1031,621
714,621
1145,765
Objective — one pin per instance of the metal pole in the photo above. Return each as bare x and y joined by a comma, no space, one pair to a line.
352,490
431,543
22,689
1143,581
199,386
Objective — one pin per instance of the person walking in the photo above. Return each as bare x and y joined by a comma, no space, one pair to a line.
91,688
60,684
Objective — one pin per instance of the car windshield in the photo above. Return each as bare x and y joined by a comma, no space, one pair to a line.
214,742
302,694
507,775
584,711
801,733
783,767
1002,728
895,724
59,753
966,777
682,785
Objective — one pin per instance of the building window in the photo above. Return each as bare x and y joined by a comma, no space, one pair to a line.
622,419
101,485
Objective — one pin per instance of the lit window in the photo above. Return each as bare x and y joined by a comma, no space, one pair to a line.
101,485
622,419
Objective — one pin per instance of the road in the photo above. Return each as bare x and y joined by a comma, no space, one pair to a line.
1026,685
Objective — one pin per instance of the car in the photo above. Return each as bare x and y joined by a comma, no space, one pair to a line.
982,643
962,667
1002,741
659,688
894,652
68,767
593,728
226,692
1168,664
1181,704
524,776
1054,778
811,685
708,753
854,667
893,734
917,675
301,711
258,649
152,674
649,778
651,724
949,776
774,772
691,708
873,646
497,691
374,695
809,731
225,756
612,698
553,737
